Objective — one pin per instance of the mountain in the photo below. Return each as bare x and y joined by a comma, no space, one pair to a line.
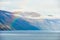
14,21
43,24
9,22
5,19
5,16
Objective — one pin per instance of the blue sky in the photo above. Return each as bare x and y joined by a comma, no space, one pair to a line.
44,7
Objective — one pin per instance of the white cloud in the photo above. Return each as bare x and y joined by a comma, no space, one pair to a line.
43,6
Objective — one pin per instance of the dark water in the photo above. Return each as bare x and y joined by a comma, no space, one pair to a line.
29,35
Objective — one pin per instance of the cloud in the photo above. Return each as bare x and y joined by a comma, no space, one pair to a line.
43,6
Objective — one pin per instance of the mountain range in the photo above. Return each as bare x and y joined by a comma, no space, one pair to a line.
21,21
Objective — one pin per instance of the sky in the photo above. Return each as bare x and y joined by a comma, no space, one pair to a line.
44,7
